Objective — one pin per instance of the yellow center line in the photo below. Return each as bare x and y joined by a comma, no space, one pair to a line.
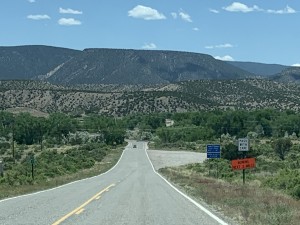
79,211
82,206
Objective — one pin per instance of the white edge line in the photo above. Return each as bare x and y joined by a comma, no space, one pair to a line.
73,182
187,197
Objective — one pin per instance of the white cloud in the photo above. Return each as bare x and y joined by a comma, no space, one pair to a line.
227,45
69,11
149,46
196,29
224,58
296,64
174,15
31,1
240,7
68,22
186,17
146,13
214,11
286,10
38,17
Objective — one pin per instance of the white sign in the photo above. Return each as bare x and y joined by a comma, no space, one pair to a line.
243,144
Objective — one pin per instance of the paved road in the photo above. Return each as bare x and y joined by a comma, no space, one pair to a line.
132,193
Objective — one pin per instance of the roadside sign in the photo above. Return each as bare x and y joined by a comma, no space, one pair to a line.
213,151
243,144
241,164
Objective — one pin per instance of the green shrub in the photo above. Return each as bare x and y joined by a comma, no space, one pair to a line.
296,192
286,180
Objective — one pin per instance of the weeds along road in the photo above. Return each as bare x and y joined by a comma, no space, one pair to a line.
131,193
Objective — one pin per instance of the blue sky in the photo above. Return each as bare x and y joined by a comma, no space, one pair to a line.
252,30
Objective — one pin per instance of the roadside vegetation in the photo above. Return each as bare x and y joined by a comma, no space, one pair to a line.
62,148
271,194
39,153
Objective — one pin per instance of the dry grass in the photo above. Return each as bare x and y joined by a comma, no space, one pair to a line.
245,204
108,162
32,112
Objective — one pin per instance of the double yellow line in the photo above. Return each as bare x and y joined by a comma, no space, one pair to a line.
80,209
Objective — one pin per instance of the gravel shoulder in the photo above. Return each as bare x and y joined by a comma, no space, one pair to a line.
161,159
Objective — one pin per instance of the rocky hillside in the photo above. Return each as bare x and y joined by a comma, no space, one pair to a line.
27,62
260,69
179,97
290,75
116,66
110,66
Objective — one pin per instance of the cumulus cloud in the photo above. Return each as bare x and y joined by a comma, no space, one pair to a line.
186,17
296,65
286,10
38,17
196,29
174,15
149,46
227,45
214,11
146,13
69,11
69,22
224,58
240,7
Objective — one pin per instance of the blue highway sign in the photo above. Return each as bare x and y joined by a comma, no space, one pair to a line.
213,151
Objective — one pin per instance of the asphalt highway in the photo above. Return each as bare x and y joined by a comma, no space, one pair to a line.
132,193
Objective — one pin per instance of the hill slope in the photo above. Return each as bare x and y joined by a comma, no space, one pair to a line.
117,66
26,62
110,66
289,75
259,69
179,97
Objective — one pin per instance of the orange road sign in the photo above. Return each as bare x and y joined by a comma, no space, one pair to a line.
241,164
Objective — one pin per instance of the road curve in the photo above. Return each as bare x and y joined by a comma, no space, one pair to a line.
132,193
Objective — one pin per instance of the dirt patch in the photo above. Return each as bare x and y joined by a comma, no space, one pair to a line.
161,159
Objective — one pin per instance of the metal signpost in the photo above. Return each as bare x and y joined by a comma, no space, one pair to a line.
214,152
32,161
1,168
244,147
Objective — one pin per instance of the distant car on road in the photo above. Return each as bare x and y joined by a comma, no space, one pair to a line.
134,146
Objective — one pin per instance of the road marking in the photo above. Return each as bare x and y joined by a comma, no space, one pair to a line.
220,221
55,188
77,210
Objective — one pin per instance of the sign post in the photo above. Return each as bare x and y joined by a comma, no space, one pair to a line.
214,152
32,161
1,168
244,147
